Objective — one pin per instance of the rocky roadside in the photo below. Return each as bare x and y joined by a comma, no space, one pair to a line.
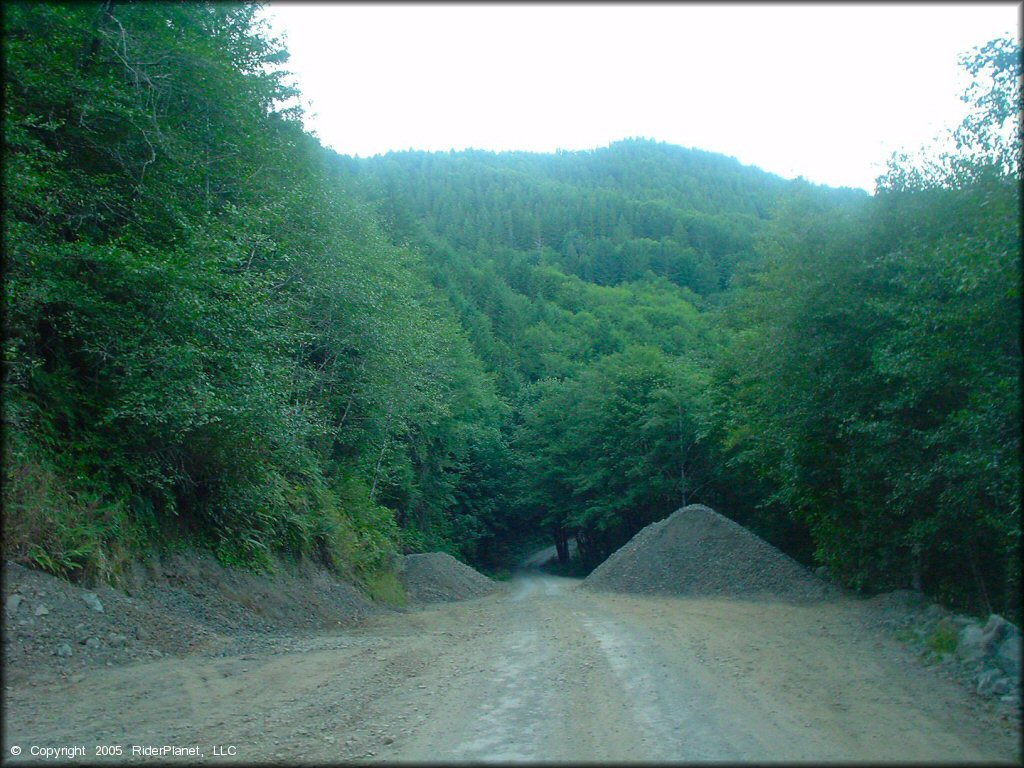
698,552
182,604
189,603
984,656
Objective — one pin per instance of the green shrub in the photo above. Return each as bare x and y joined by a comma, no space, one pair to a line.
942,639
386,587
67,527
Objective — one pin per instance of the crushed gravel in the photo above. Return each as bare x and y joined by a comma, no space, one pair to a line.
698,552
437,577
182,604
189,603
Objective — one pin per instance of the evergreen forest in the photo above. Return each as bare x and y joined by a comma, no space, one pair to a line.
220,334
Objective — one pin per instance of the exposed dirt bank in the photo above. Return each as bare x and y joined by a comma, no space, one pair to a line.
179,605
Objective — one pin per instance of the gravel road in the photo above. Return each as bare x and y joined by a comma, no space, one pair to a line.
543,671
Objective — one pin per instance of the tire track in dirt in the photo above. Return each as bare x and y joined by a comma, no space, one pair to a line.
544,672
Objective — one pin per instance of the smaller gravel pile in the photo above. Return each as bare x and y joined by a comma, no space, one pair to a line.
437,577
697,552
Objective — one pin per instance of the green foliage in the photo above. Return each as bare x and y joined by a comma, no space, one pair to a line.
63,526
631,211
988,141
615,448
942,639
991,133
890,421
873,382
386,587
217,331
201,328
559,267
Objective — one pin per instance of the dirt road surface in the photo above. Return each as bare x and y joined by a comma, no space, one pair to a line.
543,671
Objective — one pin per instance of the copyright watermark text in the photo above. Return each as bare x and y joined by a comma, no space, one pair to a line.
71,752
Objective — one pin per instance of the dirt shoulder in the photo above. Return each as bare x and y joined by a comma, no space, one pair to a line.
180,605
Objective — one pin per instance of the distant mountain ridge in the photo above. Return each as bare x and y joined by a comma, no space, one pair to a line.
634,209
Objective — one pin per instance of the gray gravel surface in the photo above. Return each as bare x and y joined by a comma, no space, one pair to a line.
178,605
698,552
437,577
189,603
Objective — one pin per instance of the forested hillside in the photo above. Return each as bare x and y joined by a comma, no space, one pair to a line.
206,338
220,334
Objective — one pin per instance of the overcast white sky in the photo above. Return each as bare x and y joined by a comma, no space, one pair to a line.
823,91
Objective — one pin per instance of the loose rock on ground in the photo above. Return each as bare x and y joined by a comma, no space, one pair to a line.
437,577
189,602
175,605
698,552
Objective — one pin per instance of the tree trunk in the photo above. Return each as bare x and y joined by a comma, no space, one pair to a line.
683,452
562,545
105,15
380,458
980,582
376,469
915,575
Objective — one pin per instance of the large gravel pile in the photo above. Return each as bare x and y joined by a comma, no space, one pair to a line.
437,577
695,551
